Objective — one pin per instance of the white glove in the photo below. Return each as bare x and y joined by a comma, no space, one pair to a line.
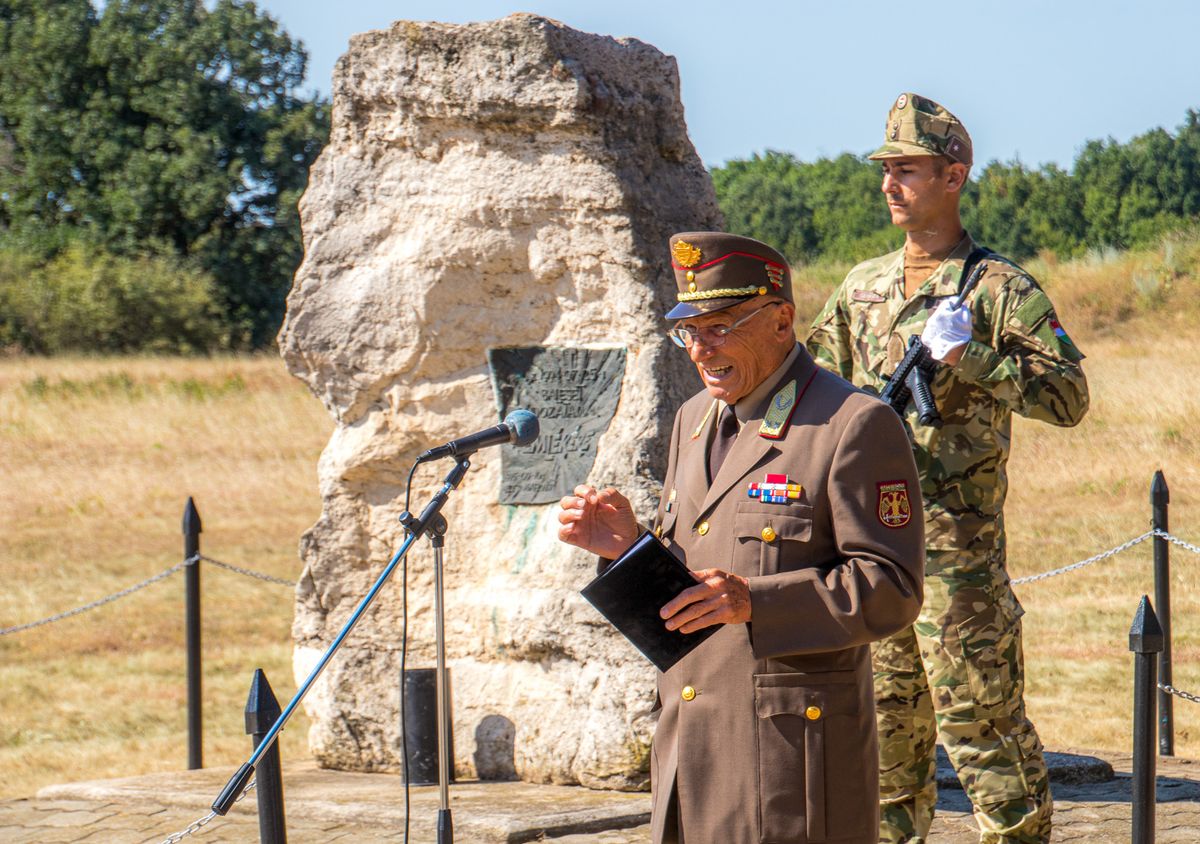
946,330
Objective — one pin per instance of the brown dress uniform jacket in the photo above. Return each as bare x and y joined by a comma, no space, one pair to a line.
767,730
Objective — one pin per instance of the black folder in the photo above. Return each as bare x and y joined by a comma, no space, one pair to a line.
634,588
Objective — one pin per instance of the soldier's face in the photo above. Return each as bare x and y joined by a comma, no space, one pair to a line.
750,353
921,191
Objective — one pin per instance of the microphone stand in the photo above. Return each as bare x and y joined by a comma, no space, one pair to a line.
429,520
437,536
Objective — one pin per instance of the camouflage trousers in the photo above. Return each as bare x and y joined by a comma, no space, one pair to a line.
958,675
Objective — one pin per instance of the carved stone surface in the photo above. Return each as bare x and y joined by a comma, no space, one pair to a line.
504,184
574,393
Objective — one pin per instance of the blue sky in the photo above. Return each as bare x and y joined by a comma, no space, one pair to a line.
1031,80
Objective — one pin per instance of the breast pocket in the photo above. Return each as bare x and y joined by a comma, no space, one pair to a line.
772,537
815,750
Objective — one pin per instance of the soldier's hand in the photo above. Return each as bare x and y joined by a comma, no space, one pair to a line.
720,598
600,521
947,331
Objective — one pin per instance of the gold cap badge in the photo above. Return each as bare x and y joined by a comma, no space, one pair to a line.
685,254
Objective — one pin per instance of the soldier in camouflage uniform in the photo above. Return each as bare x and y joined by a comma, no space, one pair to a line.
957,674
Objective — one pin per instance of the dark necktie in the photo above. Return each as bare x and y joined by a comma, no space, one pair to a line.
727,431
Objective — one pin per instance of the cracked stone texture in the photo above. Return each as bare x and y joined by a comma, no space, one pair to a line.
503,183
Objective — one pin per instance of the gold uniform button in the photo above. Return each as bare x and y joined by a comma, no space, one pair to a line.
812,713
658,531
702,529
690,276
768,534
688,693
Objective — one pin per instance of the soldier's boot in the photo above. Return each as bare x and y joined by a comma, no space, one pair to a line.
907,765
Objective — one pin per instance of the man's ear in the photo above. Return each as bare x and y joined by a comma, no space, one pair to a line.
787,317
956,176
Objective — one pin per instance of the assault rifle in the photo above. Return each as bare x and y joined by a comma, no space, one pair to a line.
911,378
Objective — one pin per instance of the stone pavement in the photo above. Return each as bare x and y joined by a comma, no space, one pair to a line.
328,806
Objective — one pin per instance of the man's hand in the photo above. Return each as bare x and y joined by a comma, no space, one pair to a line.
947,332
600,521
721,598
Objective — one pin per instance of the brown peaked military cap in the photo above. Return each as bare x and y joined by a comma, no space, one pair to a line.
714,270
917,125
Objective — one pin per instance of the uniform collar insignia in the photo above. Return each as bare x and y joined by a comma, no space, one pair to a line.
779,412
700,428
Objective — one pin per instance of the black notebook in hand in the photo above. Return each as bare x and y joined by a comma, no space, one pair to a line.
634,588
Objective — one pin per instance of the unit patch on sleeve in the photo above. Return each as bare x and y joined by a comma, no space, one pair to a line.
895,509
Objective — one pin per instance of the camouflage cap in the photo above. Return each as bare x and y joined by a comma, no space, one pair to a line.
919,126
714,270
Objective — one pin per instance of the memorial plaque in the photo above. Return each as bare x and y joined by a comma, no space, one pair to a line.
574,392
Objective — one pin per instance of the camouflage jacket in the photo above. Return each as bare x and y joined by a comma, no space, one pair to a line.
1019,359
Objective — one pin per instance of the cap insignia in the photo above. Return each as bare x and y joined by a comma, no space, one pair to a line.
902,101
685,254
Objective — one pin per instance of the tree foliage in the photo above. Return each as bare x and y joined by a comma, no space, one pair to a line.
160,128
88,300
1116,196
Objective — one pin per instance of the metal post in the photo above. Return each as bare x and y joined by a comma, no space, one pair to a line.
445,820
1160,497
1145,640
191,569
262,711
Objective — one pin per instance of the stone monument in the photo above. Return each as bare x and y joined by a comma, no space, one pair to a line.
485,230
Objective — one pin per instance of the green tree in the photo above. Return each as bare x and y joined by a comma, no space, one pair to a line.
173,129
831,208
763,197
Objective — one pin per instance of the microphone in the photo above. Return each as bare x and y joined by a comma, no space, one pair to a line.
518,428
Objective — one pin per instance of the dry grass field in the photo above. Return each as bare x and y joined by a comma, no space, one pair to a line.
98,456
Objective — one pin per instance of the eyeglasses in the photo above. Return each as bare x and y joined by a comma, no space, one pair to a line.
711,335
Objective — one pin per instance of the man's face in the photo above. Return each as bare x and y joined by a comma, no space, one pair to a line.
920,190
751,352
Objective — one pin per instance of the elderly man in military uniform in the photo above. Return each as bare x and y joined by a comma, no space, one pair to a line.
957,673
789,495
